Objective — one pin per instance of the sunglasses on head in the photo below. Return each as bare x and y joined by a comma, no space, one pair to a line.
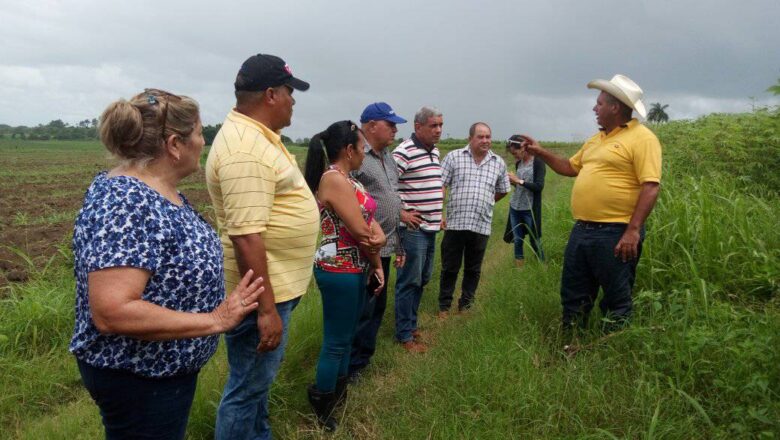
152,97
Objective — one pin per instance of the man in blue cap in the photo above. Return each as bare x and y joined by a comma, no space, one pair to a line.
379,175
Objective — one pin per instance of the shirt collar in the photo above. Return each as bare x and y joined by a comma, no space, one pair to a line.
271,135
419,144
490,154
630,124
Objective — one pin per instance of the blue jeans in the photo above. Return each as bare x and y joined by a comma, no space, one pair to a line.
342,304
139,407
364,345
243,411
589,262
522,222
420,247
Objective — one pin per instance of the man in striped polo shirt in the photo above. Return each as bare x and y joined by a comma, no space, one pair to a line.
420,188
268,221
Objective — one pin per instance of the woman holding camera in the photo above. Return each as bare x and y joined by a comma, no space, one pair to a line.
525,206
347,255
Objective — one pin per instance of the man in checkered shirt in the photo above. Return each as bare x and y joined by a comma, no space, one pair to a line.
475,178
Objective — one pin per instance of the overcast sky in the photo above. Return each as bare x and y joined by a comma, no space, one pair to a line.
519,66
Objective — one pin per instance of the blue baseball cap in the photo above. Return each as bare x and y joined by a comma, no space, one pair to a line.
380,111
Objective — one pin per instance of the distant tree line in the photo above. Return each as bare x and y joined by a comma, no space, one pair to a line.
84,130
57,130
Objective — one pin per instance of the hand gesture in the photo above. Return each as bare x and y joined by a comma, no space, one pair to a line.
530,144
241,301
411,218
399,262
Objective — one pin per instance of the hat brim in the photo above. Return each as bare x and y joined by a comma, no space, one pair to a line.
297,84
606,86
395,119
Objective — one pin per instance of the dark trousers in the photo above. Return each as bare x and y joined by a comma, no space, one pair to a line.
139,407
466,248
589,263
364,345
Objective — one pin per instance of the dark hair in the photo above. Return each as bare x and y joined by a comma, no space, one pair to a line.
324,149
623,109
473,128
515,138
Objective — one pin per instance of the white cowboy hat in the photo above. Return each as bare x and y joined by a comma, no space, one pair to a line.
624,89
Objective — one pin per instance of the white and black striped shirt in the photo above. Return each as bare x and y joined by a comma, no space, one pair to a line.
419,181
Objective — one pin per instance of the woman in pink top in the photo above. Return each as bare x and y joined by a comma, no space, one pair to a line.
347,258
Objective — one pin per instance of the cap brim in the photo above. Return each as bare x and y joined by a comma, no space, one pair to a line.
297,84
395,119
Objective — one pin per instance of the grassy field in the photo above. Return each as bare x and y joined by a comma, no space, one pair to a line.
701,359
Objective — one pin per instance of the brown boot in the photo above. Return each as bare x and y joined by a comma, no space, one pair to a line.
443,314
520,262
414,347
417,335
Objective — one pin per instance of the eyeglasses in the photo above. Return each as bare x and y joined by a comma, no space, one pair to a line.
152,96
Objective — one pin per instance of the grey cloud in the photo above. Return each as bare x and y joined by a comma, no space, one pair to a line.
518,66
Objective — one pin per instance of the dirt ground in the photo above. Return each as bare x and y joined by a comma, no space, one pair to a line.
42,187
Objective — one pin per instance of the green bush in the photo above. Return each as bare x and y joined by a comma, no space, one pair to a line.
745,148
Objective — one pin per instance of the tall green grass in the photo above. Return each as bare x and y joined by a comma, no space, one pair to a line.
699,361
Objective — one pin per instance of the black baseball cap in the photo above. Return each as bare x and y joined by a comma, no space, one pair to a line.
263,71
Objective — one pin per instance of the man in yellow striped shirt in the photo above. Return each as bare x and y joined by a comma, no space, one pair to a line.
268,221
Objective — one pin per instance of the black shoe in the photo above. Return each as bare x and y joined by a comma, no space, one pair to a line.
323,404
354,376
341,389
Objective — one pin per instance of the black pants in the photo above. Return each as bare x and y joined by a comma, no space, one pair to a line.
458,247
140,407
364,344
589,263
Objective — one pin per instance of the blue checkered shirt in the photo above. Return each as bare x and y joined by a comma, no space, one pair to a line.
471,189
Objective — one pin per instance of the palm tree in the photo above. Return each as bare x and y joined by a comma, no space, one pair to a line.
657,113
775,88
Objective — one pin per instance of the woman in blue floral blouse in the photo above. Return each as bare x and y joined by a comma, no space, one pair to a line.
150,299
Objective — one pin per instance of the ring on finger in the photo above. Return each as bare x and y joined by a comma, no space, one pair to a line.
243,303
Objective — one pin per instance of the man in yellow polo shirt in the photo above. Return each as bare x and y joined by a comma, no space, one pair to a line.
268,221
618,173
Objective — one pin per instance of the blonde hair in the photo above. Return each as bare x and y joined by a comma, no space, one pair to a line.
134,132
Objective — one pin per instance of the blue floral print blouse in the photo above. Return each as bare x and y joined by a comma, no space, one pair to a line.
125,223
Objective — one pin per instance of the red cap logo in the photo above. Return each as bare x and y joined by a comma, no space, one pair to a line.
287,69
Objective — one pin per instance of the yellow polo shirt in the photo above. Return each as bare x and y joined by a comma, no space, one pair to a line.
256,187
612,167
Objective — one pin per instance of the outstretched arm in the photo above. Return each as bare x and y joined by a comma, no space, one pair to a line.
560,165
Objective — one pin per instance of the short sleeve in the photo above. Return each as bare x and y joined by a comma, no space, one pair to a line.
446,170
647,160
576,160
401,161
502,183
248,186
124,232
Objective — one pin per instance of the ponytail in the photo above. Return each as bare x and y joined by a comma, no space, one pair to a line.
316,162
325,147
